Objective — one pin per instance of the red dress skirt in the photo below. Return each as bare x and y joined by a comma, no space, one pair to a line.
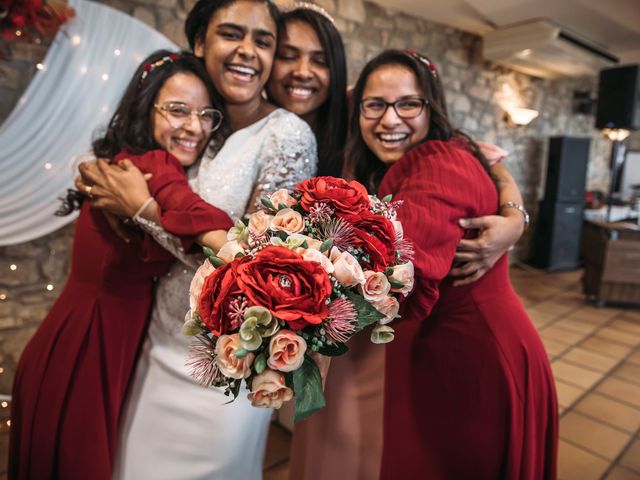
73,374
469,392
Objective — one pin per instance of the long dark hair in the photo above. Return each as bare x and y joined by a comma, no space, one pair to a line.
365,166
195,28
332,116
130,127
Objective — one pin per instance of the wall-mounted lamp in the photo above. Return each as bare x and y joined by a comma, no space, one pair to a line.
616,134
521,116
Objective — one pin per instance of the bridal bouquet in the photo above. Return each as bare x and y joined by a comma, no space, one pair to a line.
303,274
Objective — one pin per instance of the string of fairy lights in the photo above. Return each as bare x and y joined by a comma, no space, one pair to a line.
74,91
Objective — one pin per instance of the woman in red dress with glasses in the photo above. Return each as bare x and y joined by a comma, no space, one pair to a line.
469,392
73,375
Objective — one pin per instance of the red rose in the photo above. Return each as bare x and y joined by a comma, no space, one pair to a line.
291,288
219,290
343,196
376,235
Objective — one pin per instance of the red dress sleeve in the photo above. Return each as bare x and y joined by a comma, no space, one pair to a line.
438,183
182,211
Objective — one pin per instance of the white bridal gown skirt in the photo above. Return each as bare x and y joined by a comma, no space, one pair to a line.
175,429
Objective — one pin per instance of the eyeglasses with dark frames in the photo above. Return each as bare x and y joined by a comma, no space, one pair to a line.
179,114
406,108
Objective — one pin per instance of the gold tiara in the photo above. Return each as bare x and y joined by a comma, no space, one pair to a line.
292,7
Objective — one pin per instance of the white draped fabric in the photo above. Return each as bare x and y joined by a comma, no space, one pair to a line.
84,74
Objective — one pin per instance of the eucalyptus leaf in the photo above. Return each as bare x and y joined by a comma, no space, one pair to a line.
307,387
367,314
387,198
326,245
241,352
208,252
267,203
260,363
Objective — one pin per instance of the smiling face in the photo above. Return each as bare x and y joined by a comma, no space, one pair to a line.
238,50
183,139
390,137
300,80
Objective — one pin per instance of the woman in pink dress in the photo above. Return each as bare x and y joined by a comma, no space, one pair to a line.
74,373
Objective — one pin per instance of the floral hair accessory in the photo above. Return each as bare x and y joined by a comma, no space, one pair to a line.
151,66
291,7
421,58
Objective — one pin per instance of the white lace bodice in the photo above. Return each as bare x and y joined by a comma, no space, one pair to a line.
275,152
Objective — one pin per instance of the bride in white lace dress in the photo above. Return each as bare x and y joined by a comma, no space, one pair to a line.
174,428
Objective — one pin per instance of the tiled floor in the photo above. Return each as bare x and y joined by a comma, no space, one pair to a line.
595,356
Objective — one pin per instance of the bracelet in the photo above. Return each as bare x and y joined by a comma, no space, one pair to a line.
521,209
143,207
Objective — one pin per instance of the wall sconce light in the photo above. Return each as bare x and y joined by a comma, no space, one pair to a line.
521,116
616,134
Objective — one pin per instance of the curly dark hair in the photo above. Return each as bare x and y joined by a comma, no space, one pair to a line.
365,166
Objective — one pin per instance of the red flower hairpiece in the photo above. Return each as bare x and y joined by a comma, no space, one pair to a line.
421,58
150,66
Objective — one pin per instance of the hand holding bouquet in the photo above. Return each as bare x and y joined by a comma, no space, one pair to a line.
304,274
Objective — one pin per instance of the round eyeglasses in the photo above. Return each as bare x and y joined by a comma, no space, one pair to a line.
405,108
179,114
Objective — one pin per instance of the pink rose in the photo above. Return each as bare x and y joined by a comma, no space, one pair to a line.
227,362
389,307
404,274
282,197
313,255
286,351
197,283
376,286
347,269
259,223
287,220
229,251
269,390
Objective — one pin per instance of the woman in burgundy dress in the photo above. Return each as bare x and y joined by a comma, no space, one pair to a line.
469,392
73,375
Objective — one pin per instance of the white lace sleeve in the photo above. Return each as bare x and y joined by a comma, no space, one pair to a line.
169,242
290,155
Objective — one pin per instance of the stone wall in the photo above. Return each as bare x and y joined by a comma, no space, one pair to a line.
475,89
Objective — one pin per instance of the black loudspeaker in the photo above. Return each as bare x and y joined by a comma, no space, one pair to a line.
619,98
559,221
557,239
567,169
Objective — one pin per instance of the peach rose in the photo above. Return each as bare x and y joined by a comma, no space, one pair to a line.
259,223
404,274
229,251
389,307
282,198
197,282
269,390
347,270
313,255
287,220
376,286
227,362
286,351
